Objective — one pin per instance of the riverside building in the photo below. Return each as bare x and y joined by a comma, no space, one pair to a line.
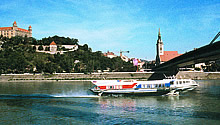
15,31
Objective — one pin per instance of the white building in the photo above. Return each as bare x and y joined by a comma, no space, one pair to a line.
110,54
53,48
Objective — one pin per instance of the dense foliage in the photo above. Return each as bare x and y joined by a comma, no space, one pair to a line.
58,40
17,55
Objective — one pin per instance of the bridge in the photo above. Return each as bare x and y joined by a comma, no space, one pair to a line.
210,52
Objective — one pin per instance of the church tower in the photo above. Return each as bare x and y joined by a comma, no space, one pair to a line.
160,48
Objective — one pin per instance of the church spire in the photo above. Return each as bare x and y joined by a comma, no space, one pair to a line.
159,35
160,48
159,32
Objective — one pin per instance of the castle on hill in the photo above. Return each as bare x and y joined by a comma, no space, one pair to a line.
15,31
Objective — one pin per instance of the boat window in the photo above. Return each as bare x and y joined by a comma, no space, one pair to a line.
180,82
163,85
110,87
159,85
177,82
128,81
184,82
148,86
116,87
155,85
120,87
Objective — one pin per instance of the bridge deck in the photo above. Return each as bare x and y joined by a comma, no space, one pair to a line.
206,53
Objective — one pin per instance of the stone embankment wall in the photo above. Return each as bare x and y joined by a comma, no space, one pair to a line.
109,76
76,76
198,75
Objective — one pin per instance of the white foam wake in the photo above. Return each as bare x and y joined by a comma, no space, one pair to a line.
76,96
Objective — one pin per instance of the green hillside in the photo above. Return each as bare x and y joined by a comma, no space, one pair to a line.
17,55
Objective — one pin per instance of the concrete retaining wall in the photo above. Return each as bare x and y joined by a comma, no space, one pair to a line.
198,75
76,76
112,75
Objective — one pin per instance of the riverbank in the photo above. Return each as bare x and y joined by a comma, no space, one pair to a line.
103,76
74,76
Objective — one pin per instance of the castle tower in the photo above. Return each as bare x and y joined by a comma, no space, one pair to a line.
160,48
15,24
30,31
53,47
15,27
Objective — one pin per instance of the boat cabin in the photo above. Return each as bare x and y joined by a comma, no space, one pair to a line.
132,84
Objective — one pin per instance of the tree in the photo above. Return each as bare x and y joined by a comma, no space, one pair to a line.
34,41
67,64
77,67
34,48
84,47
40,48
39,61
17,62
50,67
3,66
47,49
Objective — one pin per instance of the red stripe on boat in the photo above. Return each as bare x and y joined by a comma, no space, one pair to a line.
102,87
128,86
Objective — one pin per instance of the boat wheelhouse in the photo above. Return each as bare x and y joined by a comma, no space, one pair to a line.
183,84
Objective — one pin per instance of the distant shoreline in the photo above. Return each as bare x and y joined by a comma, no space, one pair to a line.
75,76
58,77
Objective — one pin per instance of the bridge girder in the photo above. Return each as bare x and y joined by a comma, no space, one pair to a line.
206,53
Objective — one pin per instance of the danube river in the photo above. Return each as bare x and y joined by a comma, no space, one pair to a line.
54,103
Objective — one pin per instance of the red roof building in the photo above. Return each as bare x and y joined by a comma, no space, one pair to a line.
168,55
53,43
110,54
53,48
5,28
15,31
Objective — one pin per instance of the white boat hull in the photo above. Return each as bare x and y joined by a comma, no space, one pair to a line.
133,92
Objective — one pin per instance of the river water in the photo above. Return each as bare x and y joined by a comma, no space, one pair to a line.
70,103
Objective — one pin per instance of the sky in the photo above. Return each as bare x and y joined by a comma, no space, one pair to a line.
114,25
